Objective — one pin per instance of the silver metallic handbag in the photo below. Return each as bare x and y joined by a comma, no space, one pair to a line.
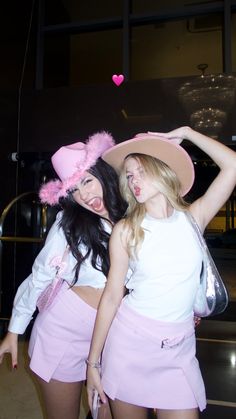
212,296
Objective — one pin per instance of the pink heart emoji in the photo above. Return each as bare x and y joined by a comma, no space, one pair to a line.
118,79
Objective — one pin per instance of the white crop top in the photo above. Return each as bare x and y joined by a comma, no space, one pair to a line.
166,274
43,271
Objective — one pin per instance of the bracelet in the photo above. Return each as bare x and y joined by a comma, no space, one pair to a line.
93,364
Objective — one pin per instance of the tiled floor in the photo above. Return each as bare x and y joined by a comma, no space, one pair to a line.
216,346
216,350
225,260
19,397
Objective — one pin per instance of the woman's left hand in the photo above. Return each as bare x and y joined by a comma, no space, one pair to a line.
176,135
94,384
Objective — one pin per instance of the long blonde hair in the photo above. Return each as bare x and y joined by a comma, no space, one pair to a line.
166,181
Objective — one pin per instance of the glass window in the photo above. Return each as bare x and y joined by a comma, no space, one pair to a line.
56,61
147,6
62,11
95,57
174,49
73,60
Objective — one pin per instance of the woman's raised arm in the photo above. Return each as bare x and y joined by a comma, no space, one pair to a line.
207,206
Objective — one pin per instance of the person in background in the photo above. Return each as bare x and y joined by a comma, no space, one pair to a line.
149,355
88,192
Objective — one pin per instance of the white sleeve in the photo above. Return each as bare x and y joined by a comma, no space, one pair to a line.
42,274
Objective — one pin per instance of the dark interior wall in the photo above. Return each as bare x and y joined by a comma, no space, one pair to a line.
52,117
14,30
15,20
8,130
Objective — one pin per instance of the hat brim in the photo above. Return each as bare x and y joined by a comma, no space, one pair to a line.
166,150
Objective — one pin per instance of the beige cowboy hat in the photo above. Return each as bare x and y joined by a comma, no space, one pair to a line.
163,149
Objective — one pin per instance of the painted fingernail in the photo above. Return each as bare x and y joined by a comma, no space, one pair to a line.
15,367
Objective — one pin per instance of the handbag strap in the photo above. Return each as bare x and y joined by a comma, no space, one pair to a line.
66,251
197,230
65,254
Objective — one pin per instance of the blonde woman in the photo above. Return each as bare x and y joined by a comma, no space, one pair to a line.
149,354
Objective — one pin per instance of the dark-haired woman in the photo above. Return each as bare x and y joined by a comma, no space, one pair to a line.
77,243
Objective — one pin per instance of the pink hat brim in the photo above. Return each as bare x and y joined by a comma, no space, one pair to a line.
166,150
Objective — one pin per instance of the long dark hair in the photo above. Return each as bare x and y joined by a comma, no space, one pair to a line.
83,227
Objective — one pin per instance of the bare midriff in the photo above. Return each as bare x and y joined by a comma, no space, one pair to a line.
90,295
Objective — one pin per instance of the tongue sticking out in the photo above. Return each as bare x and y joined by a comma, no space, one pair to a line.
97,204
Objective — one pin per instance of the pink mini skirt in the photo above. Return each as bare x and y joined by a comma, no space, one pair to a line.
151,363
61,337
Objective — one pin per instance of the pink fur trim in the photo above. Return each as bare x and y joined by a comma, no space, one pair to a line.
51,191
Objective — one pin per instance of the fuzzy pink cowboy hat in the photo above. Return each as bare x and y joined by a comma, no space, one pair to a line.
70,162
153,145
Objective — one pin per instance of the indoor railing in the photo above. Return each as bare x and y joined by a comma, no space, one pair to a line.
41,220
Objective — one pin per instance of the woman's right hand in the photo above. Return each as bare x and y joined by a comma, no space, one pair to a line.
10,345
94,383
176,135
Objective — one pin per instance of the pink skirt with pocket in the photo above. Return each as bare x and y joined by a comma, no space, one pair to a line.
152,363
61,337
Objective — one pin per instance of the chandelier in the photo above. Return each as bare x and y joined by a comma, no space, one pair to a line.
207,99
